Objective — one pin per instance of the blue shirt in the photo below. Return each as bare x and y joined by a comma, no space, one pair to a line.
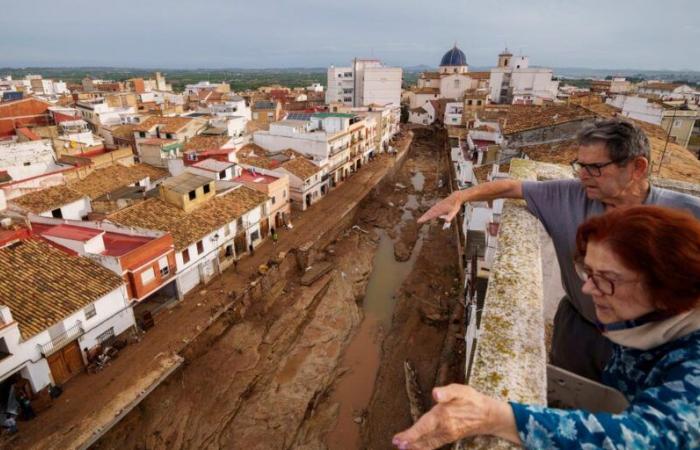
663,387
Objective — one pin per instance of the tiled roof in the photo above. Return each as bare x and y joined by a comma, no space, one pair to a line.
124,131
419,110
47,199
258,161
479,75
427,90
528,117
301,167
202,142
157,141
43,285
557,153
109,179
481,173
188,228
661,86
168,124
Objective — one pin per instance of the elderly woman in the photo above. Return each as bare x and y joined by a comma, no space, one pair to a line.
641,265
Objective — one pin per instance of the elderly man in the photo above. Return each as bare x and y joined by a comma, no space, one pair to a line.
613,171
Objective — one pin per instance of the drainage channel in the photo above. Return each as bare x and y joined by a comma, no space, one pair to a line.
362,356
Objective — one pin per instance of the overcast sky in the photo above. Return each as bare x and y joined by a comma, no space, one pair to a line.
605,34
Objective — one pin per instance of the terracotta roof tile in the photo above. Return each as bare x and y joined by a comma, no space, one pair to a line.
109,179
43,285
557,153
188,228
479,75
528,117
203,142
427,90
47,199
169,124
124,131
301,167
661,86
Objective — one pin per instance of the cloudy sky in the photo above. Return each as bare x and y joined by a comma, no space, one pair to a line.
620,34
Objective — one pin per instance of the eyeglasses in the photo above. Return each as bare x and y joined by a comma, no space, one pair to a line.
593,169
601,282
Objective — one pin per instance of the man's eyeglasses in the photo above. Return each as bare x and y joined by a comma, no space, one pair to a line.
593,169
601,282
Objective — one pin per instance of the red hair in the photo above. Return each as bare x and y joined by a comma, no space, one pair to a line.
661,244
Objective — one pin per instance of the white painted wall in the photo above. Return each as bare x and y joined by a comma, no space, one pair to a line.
74,211
112,310
381,85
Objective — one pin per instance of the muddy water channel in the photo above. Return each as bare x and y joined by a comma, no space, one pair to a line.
362,356
320,366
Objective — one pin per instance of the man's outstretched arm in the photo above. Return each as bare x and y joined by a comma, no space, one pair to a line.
448,208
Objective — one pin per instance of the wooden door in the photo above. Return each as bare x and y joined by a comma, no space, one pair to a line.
66,363
264,228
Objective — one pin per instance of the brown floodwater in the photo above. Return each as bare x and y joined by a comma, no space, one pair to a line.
362,356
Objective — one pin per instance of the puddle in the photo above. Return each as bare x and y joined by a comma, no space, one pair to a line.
418,180
354,390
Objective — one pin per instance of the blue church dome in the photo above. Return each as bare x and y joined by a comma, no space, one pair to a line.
454,57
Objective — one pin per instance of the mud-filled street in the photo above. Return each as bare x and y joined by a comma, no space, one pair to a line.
320,364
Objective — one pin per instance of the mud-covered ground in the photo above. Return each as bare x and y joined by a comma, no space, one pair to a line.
274,380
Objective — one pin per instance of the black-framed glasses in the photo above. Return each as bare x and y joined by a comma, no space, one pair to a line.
593,169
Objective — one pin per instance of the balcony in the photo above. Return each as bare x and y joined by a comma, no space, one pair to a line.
59,342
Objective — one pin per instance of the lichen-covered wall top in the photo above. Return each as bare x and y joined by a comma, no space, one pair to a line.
510,360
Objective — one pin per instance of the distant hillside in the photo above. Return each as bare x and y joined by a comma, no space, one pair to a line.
241,79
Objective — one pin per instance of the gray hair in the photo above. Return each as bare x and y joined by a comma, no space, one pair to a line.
623,139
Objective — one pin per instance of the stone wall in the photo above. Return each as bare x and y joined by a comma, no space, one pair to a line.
510,358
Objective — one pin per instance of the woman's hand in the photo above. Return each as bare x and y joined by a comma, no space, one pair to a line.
460,411
447,208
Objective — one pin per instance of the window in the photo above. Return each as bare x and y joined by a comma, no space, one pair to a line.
229,251
273,199
222,175
207,189
147,276
192,195
4,349
109,334
186,255
239,223
169,135
27,163
200,247
677,123
284,194
163,266
255,235
57,213
90,311
142,134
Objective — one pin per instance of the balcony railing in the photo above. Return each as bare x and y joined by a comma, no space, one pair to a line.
60,341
